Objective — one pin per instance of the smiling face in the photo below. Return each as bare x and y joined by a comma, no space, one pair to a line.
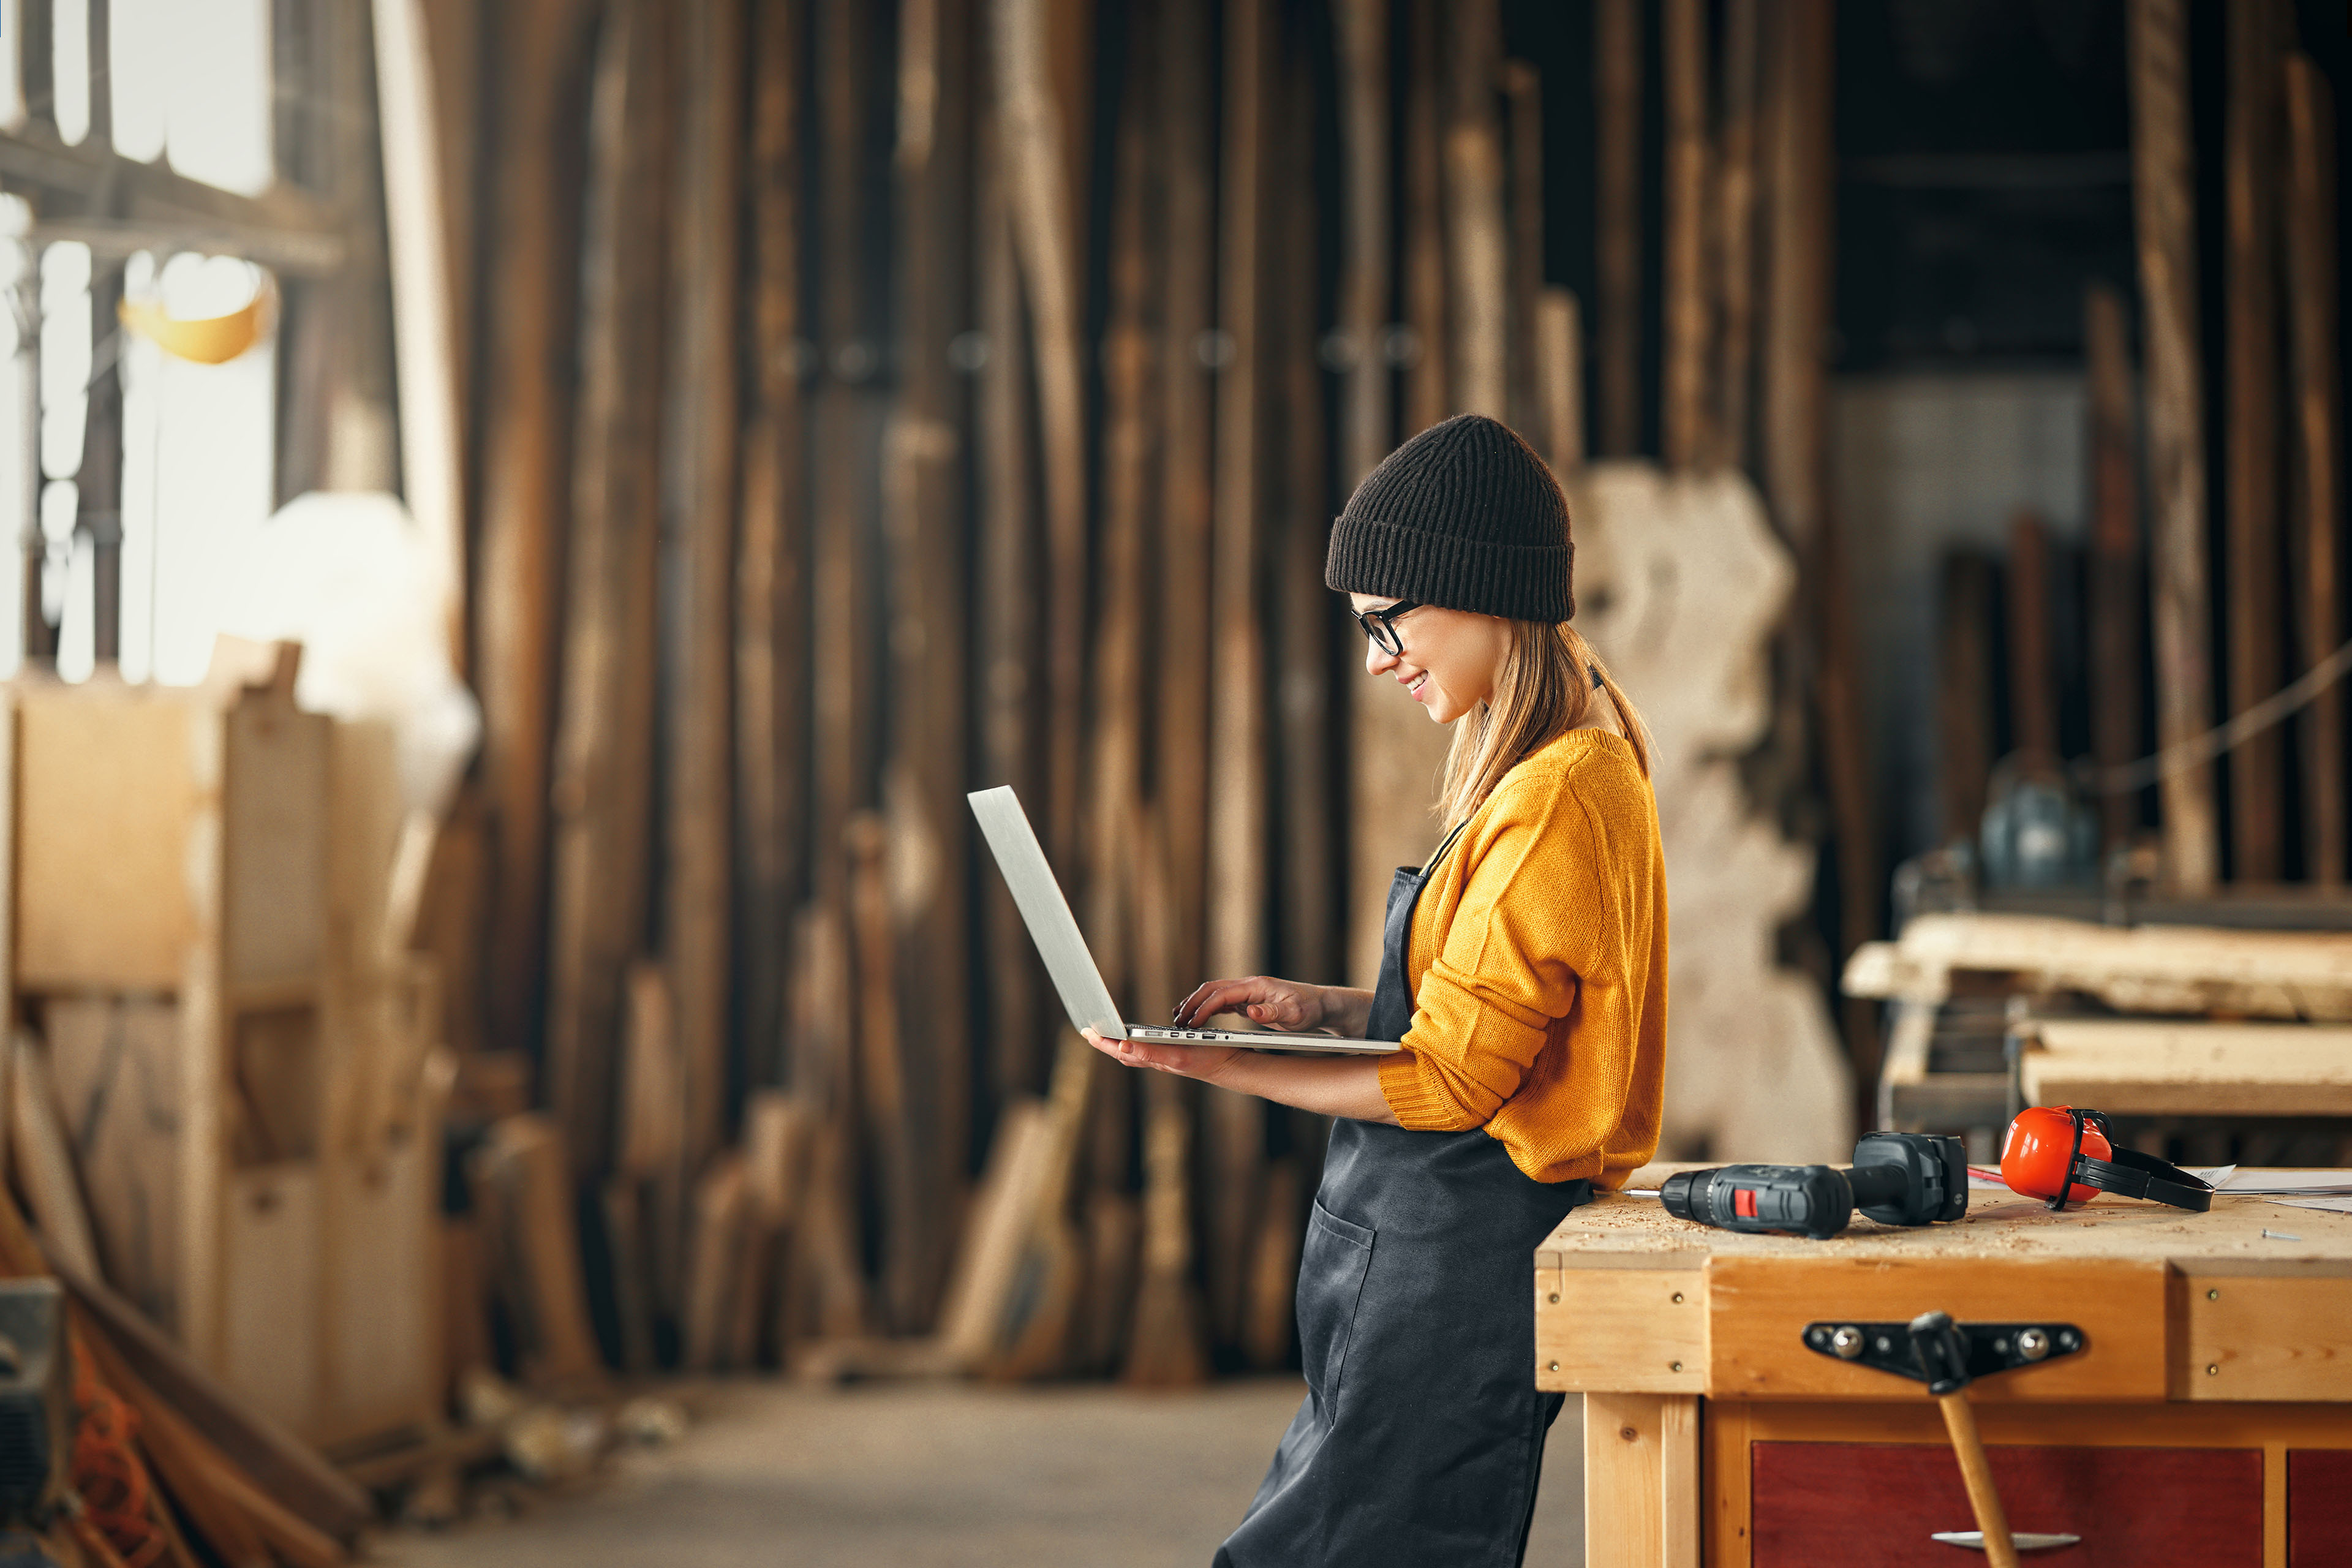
1450,657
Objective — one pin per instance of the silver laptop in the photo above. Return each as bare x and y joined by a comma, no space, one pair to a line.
1063,948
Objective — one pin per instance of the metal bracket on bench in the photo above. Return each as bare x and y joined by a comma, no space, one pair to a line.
1993,1347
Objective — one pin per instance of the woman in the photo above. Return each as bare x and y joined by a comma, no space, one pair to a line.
1524,970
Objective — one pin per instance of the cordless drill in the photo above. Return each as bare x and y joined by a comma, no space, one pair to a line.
1898,1178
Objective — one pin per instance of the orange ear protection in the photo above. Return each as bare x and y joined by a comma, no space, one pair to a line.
2066,1155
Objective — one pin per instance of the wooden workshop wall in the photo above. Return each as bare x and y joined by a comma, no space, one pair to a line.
865,403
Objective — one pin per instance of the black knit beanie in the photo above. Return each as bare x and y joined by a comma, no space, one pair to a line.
1465,516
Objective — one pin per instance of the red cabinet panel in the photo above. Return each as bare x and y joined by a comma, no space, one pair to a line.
2318,1508
1875,1505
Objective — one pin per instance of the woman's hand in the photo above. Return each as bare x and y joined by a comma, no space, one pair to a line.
1261,998
1207,1063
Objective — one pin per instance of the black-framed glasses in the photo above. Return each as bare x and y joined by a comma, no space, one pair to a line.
1380,624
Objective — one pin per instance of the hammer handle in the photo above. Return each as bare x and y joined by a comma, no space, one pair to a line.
1961,1421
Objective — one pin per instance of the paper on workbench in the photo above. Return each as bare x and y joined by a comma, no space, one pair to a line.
2288,1184
2336,1203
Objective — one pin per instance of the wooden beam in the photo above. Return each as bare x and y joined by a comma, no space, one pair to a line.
2164,206
708,260
1559,352
1523,99
603,785
1617,330
770,608
1684,436
1796,458
532,235
1237,785
2312,304
2114,587
1044,232
1477,246
1368,407
1735,253
923,535
1181,602
2250,454
424,305
1428,396
89,178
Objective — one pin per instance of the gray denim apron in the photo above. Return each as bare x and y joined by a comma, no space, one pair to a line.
1421,1439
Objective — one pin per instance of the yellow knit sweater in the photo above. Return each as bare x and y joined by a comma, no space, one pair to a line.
1537,963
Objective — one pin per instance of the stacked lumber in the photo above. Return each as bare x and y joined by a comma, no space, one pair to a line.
2216,1046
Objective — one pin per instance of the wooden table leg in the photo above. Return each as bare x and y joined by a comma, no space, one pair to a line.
1642,1492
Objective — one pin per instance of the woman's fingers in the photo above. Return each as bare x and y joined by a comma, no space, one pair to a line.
1268,1000
1185,1061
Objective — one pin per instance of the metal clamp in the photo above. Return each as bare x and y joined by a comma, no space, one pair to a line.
1990,1347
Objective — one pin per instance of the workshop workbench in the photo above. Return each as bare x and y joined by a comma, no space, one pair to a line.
2207,1421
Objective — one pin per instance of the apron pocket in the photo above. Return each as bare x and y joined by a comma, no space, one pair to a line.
1331,1268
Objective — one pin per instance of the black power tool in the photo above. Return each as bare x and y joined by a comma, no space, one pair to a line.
1898,1178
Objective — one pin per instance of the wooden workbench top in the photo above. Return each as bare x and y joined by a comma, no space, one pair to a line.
1999,1225
2174,1305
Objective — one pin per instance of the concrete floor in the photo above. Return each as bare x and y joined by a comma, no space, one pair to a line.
936,1476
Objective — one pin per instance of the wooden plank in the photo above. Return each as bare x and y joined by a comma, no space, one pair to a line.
2318,426
2250,434
532,240
2250,1338
1559,353
1757,1308
1478,242
1237,797
979,1291
536,1239
117,1071
271,1347
1965,684
1395,750
1012,683
771,571
1307,631
603,785
290,1468
2155,1068
1624,1480
1035,1335
1036,170
2164,207
621,1201
43,1159
1684,435
1736,187
2033,668
1617,224
908,1211
1428,394
425,320
706,262
1523,98
713,1256
1368,409
2114,587
1166,1347
923,534
653,1098
98,495
1795,390
100,895
2148,969
1627,1330
1183,616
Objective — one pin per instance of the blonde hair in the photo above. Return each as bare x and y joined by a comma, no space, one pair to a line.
1549,681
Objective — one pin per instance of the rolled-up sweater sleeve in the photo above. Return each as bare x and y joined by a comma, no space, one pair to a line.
1529,929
